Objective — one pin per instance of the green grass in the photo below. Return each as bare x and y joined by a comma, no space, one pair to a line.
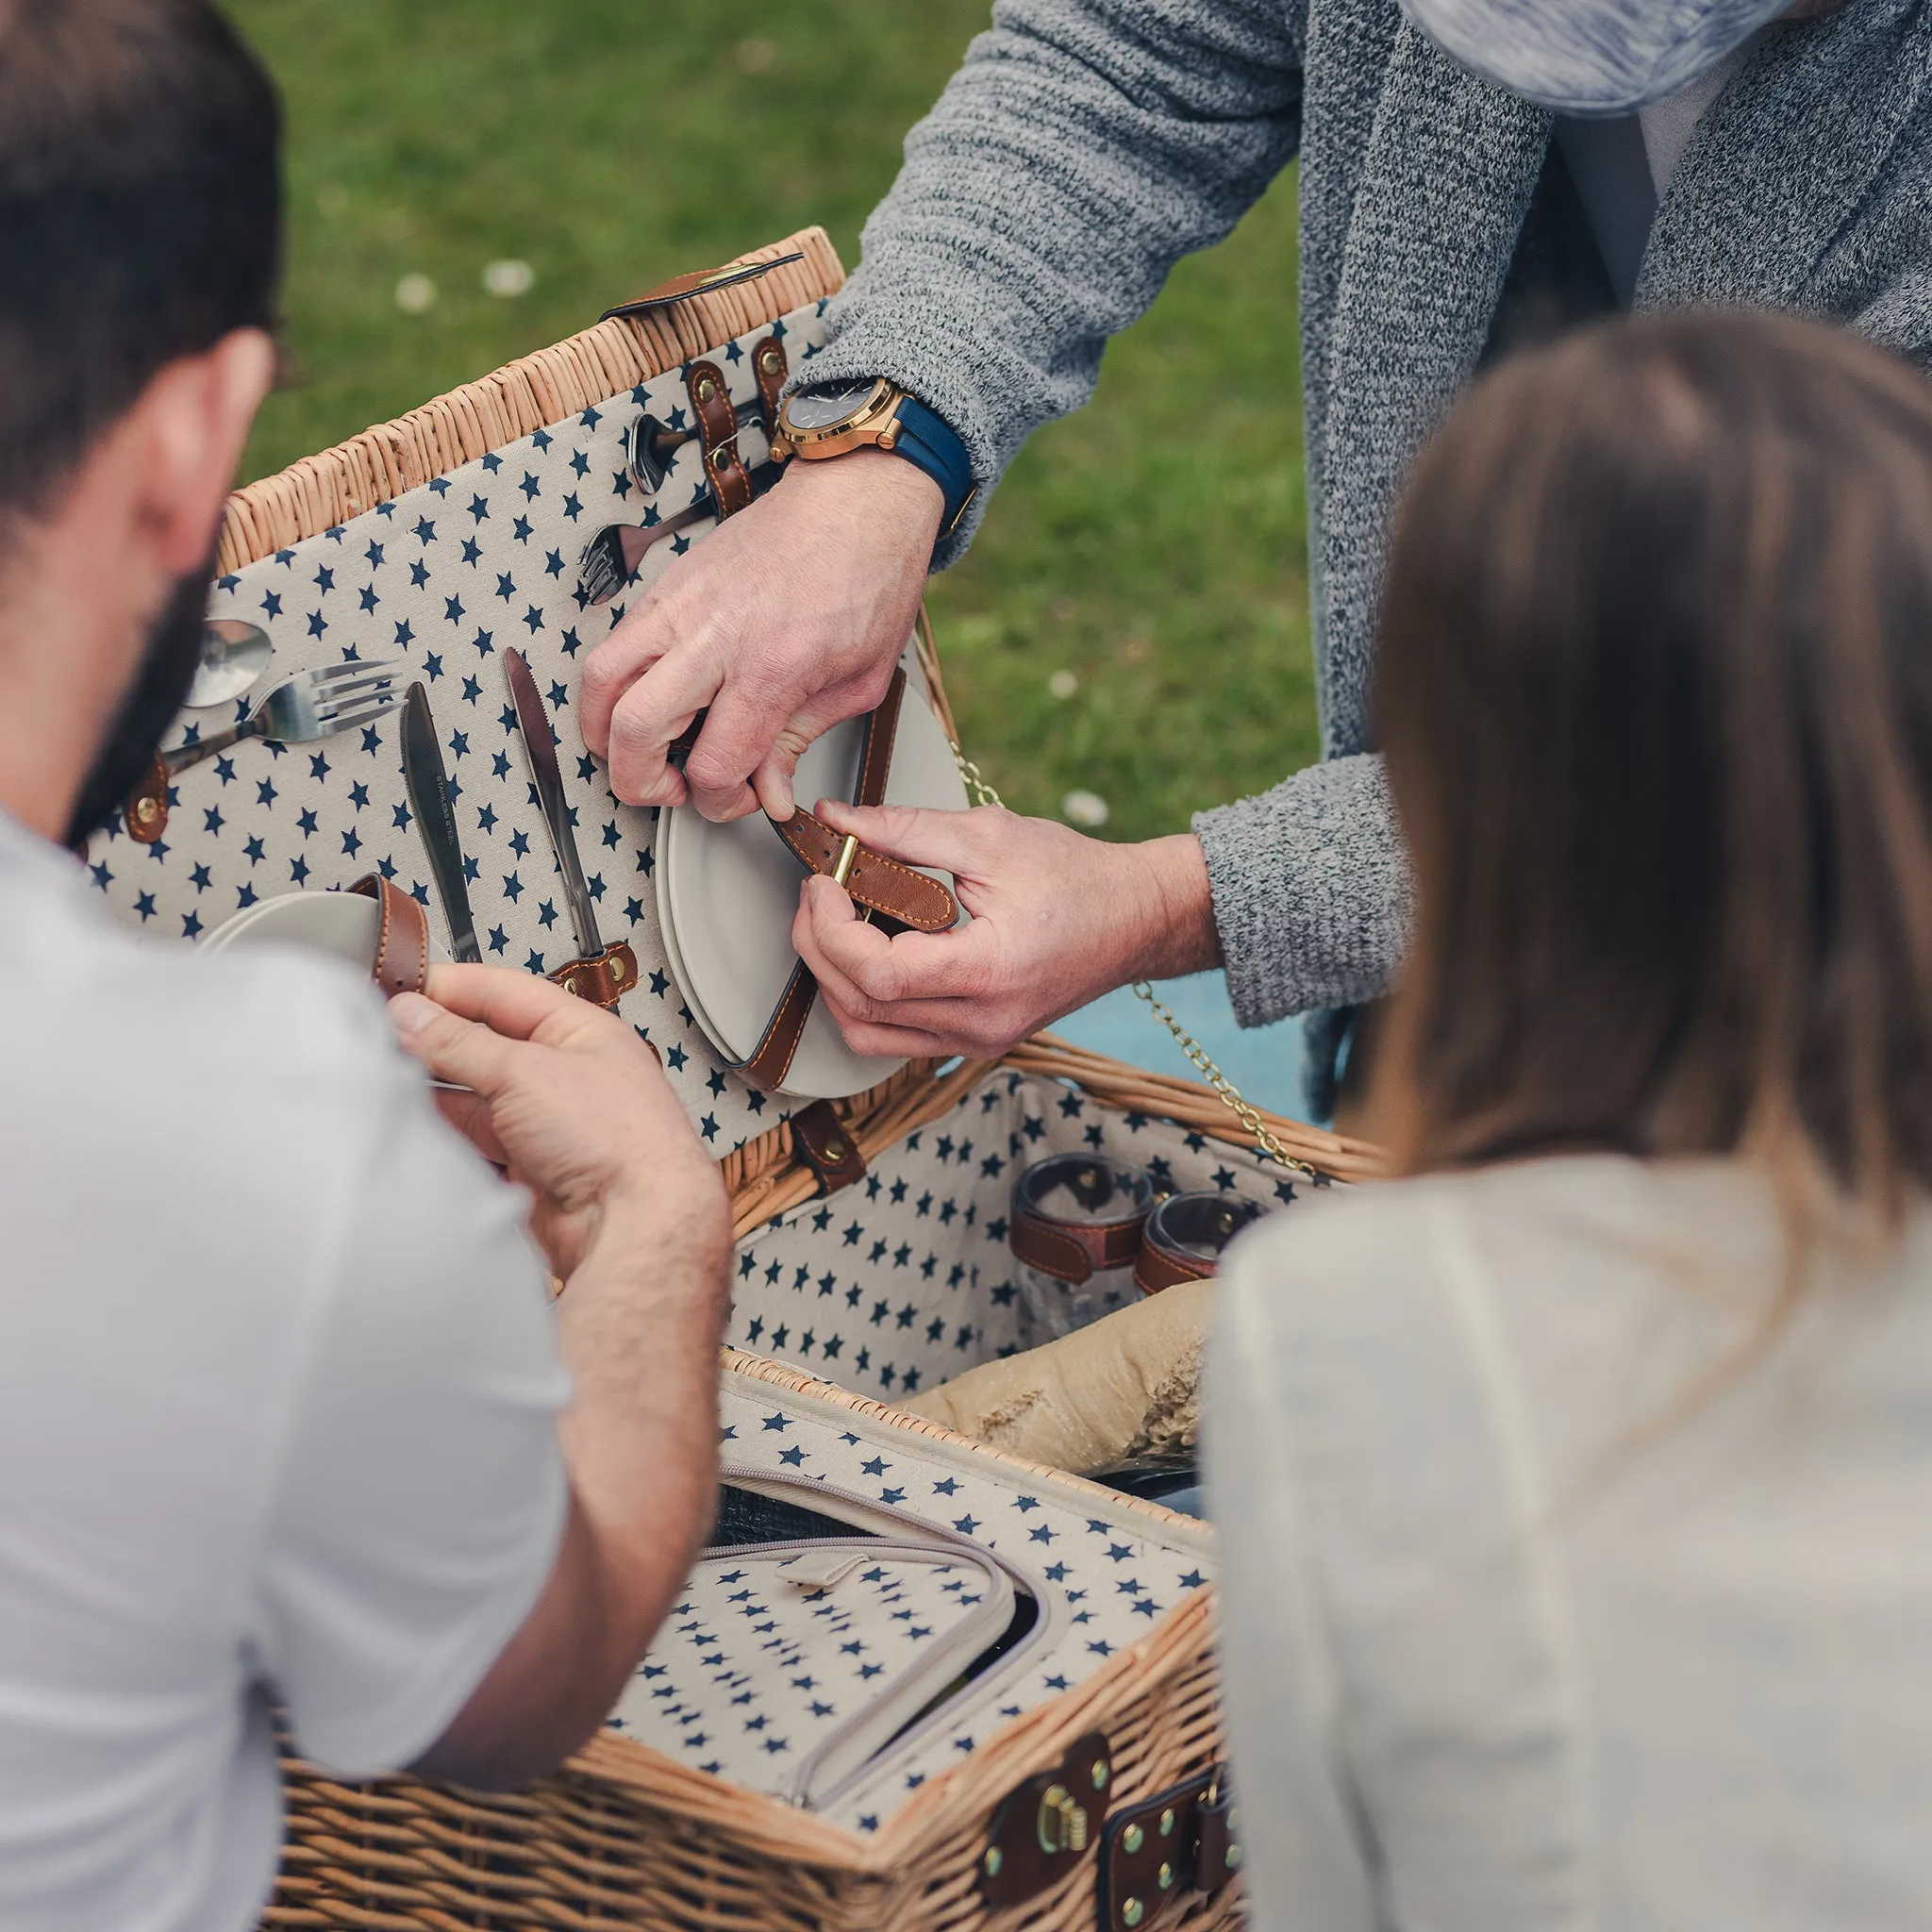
1152,546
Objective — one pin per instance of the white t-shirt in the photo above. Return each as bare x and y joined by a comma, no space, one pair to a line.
277,1395
1546,1607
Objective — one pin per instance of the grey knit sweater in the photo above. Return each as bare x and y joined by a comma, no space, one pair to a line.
1086,144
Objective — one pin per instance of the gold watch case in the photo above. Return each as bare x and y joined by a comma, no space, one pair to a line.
873,424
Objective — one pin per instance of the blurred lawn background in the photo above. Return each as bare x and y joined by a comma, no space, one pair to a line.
1151,545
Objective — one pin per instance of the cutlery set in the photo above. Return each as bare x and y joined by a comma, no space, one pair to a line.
316,704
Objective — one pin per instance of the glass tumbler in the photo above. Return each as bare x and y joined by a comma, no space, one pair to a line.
1075,1229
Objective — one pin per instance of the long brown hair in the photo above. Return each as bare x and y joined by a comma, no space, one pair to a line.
1656,695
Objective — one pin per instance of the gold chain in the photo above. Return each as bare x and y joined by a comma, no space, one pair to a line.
1228,1093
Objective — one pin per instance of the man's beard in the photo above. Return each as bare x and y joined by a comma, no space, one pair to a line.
149,706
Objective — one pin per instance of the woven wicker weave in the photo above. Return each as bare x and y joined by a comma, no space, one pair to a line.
623,1838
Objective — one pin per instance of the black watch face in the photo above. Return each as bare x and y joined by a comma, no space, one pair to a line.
821,408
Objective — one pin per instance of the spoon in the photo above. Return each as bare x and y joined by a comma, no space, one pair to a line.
232,655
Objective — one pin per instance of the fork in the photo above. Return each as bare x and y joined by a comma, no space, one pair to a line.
310,705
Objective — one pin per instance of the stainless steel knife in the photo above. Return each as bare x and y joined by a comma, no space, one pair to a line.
600,974
428,789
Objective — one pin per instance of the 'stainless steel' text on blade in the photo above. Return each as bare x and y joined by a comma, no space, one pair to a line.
428,789
534,721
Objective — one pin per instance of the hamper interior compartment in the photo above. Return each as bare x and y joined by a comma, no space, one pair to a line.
905,1279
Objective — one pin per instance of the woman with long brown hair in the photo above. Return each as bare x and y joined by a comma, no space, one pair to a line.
1584,1476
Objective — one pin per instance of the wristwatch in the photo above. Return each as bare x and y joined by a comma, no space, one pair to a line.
835,418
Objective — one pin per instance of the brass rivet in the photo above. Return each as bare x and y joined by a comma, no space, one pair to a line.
145,810
1167,1824
1132,1839
1165,1876
706,389
1234,1857
570,985
835,1150
995,1858
1233,1819
1133,1912
769,361
1100,1776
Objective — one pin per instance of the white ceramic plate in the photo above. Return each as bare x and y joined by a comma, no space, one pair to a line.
727,897
340,923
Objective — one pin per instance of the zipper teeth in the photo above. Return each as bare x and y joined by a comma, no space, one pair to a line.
1021,1652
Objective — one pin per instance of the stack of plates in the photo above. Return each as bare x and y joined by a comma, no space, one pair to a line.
727,896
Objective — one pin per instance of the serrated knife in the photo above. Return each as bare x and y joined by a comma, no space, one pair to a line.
599,974
427,785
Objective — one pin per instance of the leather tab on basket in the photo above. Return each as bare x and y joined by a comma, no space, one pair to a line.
770,367
1217,1848
827,1146
604,981
875,881
1150,1851
147,810
1042,1828
402,937
1155,1269
1074,1254
717,421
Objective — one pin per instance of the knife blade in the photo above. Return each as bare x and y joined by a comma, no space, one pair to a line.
539,742
427,785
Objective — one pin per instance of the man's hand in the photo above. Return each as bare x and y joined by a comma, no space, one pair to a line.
634,1216
786,620
1057,919
565,1098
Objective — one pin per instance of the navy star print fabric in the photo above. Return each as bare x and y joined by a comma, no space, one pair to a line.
439,582
724,1686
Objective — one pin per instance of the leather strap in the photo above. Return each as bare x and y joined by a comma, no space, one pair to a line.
770,367
771,1059
717,421
147,811
880,884
1157,1268
1072,1251
827,1146
604,981
402,937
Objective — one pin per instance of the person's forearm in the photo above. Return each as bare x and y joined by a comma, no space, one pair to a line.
640,1321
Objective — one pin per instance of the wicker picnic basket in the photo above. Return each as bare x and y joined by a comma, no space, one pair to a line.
624,1836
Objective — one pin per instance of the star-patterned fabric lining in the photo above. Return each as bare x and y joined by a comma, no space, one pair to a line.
767,1657
905,1280
1103,1576
439,581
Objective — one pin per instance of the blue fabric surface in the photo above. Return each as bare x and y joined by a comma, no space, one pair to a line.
1265,1062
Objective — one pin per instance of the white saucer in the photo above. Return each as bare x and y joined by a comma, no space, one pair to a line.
727,894
340,923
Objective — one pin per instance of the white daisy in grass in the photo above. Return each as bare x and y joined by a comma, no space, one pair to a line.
508,278
1084,809
415,294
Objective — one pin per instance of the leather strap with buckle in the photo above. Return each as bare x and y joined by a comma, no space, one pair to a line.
881,885
771,1059
1182,1838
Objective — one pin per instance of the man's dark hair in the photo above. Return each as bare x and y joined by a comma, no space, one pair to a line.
139,214
1656,701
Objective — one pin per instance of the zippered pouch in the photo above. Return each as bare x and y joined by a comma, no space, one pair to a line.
917,1594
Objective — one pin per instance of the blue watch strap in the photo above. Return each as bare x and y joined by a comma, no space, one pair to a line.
927,439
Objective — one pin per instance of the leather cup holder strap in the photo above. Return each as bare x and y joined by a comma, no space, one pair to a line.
880,884
402,937
1180,1840
1157,1268
1043,1829
604,981
827,1146
147,810
770,368
717,421
1073,1252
